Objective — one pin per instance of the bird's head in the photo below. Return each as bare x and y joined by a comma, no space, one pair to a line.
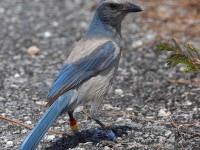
112,12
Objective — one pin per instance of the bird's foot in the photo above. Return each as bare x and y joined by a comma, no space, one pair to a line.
108,134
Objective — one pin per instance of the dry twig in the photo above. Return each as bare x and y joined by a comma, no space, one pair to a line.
30,127
178,129
184,82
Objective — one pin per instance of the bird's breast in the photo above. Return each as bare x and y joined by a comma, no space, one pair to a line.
97,87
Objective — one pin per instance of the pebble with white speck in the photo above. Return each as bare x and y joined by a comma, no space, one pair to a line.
110,107
16,75
167,133
42,103
50,137
78,109
119,92
137,44
9,144
24,131
129,109
2,99
80,148
163,113
119,119
106,148
33,50
47,34
28,122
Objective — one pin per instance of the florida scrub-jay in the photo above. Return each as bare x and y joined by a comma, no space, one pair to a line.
88,71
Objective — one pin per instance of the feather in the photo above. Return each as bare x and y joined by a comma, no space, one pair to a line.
77,72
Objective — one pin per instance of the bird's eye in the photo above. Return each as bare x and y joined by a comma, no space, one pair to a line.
113,6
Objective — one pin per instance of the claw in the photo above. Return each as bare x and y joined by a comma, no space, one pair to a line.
110,135
101,133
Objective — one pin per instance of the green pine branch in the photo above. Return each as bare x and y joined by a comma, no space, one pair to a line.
186,55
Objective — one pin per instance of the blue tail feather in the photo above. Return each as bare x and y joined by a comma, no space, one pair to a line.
60,105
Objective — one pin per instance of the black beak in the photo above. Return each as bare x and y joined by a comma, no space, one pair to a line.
133,8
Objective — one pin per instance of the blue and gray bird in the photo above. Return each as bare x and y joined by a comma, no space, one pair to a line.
88,71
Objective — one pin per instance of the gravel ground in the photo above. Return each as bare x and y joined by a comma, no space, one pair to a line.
143,106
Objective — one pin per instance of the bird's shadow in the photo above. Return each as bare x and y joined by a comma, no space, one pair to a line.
88,135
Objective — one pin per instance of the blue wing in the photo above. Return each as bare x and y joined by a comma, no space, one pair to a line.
75,73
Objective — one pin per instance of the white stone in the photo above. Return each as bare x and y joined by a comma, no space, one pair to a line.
110,107
47,34
150,36
24,131
119,119
188,103
129,109
182,69
137,44
61,121
128,121
107,107
50,137
164,113
80,148
28,122
16,75
119,91
116,108
42,103
167,133
33,50
78,109
26,118
55,23
9,143
2,10
106,148
149,117
2,99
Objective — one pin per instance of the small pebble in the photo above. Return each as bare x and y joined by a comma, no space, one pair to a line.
28,122
164,113
26,118
78,109
2,99
50,137
119,119
150,36
129,109
9,144
110,107
137,44
55,24
47,34
24,131
167,133
80,148
107,107
106,148
33,50
42,103
16,75
129,121
188,103
118,91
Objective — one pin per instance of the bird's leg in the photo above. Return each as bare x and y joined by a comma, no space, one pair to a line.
109,133
72,122
93,116
101,124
